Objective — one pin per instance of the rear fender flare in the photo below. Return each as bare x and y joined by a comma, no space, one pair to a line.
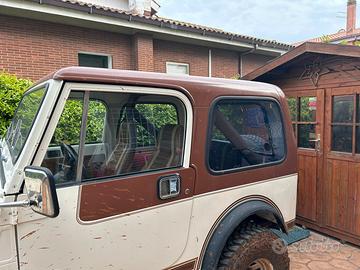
230,221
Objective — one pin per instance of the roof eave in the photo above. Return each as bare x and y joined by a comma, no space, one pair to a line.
140,23
308,47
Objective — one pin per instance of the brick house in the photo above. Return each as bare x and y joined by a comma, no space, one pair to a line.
348,36
40,36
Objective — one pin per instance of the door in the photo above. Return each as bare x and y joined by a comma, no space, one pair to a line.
121,164
306,108
342,162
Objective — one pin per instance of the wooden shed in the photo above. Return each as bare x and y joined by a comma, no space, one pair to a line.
322,83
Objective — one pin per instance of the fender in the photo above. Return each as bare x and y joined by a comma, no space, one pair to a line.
232,219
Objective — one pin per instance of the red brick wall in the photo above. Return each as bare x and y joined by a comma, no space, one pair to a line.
32,49
225,64
143,52
251,62
195,56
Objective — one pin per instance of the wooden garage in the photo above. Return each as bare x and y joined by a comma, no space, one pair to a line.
322,83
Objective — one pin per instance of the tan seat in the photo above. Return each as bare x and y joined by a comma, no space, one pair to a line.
121,158
169,148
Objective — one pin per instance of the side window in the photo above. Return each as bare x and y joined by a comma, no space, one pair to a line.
153,117
95,122
245,133
123,134
62,155
141,133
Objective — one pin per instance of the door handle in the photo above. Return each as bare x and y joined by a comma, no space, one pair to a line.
169,186
317,142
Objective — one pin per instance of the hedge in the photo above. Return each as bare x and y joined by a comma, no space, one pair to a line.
11,91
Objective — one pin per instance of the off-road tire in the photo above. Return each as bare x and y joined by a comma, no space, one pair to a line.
250,244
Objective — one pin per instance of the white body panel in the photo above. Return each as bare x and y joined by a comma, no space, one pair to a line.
151,239
209,207
8,247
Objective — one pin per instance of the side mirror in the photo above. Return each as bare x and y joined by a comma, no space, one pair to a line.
40,186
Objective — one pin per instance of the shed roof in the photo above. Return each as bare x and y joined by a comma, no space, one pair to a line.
308,47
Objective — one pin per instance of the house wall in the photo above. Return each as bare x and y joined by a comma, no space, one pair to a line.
251,62
32,49
225,64
195,56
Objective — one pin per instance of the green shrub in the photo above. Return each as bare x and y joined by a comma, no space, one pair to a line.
11,91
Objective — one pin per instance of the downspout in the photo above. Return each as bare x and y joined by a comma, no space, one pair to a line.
210,63
241,58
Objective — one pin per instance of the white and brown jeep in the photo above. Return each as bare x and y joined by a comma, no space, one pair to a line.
108,169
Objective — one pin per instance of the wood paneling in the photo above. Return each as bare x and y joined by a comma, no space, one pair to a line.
329,182
306,202
342,196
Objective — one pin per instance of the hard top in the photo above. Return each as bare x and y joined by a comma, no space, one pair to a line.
201,90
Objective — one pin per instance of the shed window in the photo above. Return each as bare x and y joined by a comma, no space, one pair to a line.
303,116
245,133
345,125
177,68
94,60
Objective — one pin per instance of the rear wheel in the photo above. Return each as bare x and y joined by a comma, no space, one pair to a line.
254,248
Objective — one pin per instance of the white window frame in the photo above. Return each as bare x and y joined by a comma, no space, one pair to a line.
109,57
70,86
179,64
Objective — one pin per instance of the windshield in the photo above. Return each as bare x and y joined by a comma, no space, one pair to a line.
23,120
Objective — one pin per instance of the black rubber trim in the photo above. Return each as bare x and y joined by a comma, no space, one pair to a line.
229,223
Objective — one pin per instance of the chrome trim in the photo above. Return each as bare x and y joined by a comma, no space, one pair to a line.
15,204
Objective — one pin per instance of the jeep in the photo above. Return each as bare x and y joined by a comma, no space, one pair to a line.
111,169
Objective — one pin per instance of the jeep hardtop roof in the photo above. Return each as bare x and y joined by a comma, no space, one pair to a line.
201,90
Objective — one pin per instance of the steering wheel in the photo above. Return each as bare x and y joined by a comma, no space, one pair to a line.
70,161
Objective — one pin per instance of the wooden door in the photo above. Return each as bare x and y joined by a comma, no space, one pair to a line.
341,183
307,111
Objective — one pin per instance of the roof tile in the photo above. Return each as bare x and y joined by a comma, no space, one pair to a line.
228,35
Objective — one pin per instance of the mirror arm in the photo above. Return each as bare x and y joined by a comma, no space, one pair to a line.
15,204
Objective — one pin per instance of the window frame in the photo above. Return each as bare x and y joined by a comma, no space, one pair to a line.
92,87
354,124
297,122
109,57
168,63
209,135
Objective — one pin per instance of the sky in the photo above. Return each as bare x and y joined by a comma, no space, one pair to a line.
282,20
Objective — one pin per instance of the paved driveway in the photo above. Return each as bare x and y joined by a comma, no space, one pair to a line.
322,253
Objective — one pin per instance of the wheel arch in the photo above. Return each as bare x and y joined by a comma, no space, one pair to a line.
235,215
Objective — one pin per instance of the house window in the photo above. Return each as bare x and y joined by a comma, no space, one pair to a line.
177,68
95,60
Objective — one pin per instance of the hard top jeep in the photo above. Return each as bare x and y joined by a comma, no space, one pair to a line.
108,169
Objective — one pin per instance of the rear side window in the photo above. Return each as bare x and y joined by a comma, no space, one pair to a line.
245,133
